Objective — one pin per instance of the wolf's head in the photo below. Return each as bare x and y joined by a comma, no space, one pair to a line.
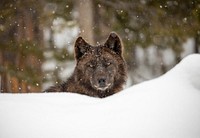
100,67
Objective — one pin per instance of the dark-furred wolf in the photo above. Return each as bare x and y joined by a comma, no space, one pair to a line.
100,70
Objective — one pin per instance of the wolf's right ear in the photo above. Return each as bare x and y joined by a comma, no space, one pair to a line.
81,47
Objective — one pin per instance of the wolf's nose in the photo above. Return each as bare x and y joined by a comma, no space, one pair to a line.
102,82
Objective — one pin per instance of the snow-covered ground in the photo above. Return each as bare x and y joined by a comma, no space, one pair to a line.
168,106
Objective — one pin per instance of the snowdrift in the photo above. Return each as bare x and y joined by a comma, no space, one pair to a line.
168,106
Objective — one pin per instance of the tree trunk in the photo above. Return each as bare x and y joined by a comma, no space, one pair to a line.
86,20
17,59
196,44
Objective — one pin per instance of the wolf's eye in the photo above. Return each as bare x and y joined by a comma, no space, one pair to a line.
108,64
91,65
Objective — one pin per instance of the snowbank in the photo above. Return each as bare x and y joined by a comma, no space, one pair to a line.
168,106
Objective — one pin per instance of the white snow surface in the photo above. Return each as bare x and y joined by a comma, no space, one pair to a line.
166,107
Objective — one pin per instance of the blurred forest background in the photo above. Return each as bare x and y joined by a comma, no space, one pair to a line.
37,37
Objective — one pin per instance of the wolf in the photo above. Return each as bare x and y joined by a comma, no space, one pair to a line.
100,70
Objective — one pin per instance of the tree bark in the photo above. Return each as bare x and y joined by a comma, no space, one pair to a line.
196,44
86,20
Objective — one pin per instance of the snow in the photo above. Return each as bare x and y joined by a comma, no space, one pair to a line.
168,106
188,47
64,33
149,66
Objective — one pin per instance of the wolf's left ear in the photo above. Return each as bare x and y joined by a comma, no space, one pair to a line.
113,42
81,47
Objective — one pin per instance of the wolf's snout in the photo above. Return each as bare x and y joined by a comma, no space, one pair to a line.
102,82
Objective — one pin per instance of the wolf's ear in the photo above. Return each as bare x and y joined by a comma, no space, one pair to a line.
81,47
113,42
